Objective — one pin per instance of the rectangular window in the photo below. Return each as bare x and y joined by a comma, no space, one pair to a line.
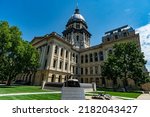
48,49
66,66
86,58
60,65
81,71
96,56
86,71
91,70
82,57
96,69
66,54
91,57
54,63
101,57
45,65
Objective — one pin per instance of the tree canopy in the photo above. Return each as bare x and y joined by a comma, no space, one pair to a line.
126,61
16,55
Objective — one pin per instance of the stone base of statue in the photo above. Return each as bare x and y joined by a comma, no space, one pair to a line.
72,93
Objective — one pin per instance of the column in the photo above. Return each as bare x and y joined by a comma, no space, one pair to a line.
68,61
58,62
51,56
64,59
43,56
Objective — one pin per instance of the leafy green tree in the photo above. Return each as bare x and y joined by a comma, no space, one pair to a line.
16,55
126,61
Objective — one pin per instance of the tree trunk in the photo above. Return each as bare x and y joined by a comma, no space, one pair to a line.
8,82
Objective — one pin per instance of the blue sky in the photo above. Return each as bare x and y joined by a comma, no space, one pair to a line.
40,17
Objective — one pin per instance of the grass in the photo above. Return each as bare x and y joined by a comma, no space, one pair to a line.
20,89
33,97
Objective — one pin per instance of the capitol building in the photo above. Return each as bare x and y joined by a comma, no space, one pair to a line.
70,55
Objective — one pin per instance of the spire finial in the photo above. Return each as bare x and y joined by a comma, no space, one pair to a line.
77,8
77,4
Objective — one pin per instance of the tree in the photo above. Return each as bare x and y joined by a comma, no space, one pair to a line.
126,61
16,55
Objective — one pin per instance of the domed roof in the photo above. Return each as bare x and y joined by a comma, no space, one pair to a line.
76,17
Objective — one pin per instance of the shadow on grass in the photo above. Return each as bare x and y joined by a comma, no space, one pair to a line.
7,87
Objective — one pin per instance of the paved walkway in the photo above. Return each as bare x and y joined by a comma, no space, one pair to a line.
16,94
144,97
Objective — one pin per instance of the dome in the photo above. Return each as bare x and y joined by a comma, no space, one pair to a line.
76,17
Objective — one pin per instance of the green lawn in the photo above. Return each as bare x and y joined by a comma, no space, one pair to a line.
20,89
33,97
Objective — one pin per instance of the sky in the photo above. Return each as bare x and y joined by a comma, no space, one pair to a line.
40,17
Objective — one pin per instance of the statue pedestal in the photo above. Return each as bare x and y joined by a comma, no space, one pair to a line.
72,93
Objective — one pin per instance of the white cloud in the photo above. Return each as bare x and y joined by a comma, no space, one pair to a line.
144,32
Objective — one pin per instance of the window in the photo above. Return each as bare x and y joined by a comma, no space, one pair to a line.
101,56
73,69
54,63
53,78
48,49
66,65
96,69
60,65
86,71
116,36
61,53
125,34
91,57
77,38
95,56
66,54
45,65
56,49
76,70
82,57
81,71
76,58
108,39
59,80
110,51
78,26
91,70
86,58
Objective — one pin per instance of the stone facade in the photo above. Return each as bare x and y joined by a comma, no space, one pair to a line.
72,55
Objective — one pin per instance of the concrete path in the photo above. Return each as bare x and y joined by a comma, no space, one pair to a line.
16,94
144,97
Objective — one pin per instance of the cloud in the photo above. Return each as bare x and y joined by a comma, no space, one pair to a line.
144,32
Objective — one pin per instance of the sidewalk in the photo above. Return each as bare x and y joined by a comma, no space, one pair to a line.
15,94
144,97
